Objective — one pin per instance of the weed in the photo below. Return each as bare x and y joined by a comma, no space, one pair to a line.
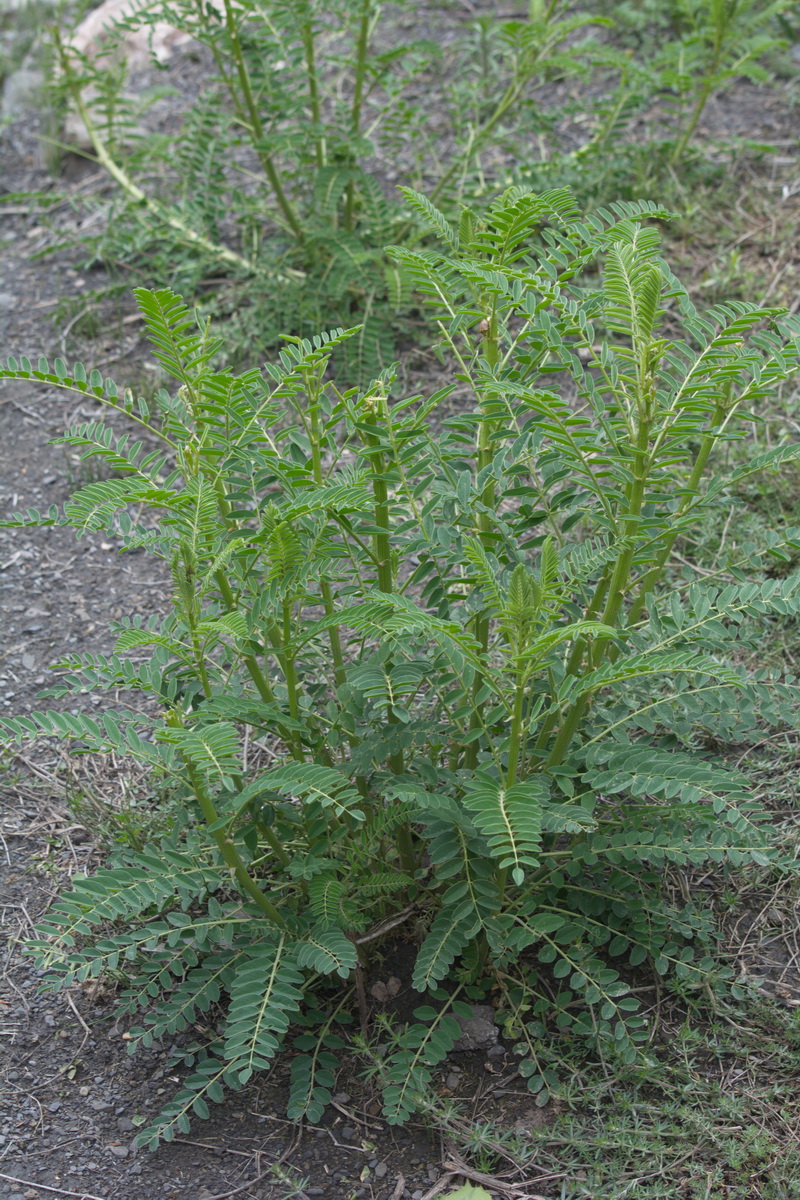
483,696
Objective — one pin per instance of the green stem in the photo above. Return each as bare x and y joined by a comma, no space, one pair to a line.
265,159
362,49
307,33
485,531
315,439
617,583
516,748
228,850
685,138
651,578
374,411
163,215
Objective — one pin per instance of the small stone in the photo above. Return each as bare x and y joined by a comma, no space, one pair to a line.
418,1194
119,1151
125,1125
7,301
31,1194
50,479
29,662
453,1080
497,1051
54,1106
349,1134
381,1170
99,1105
83,1091
342,1098
479,1031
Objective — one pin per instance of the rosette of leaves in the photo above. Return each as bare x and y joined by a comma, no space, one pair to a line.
462,643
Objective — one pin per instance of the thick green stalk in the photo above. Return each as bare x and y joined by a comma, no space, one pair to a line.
485,531
265,159
360,72
620,576
289,669
253,669
375,411
326,591
651,578
516,749
309,49
575,658
228,850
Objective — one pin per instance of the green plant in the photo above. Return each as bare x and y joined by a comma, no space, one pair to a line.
481,689
720,40
272,185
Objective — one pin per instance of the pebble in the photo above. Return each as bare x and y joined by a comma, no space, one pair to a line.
453,1080
349,1134
119,1151
381,1170
99,1105
54,1106
418,1194
125,1125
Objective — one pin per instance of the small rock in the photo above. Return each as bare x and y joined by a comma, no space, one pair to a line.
125,1125
83,1091
49,479
349,1134
497,1051
54,1106
381,1170
119,1151
31,1194
418,1194
342,1097
479,1031
453,1080
99,1105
